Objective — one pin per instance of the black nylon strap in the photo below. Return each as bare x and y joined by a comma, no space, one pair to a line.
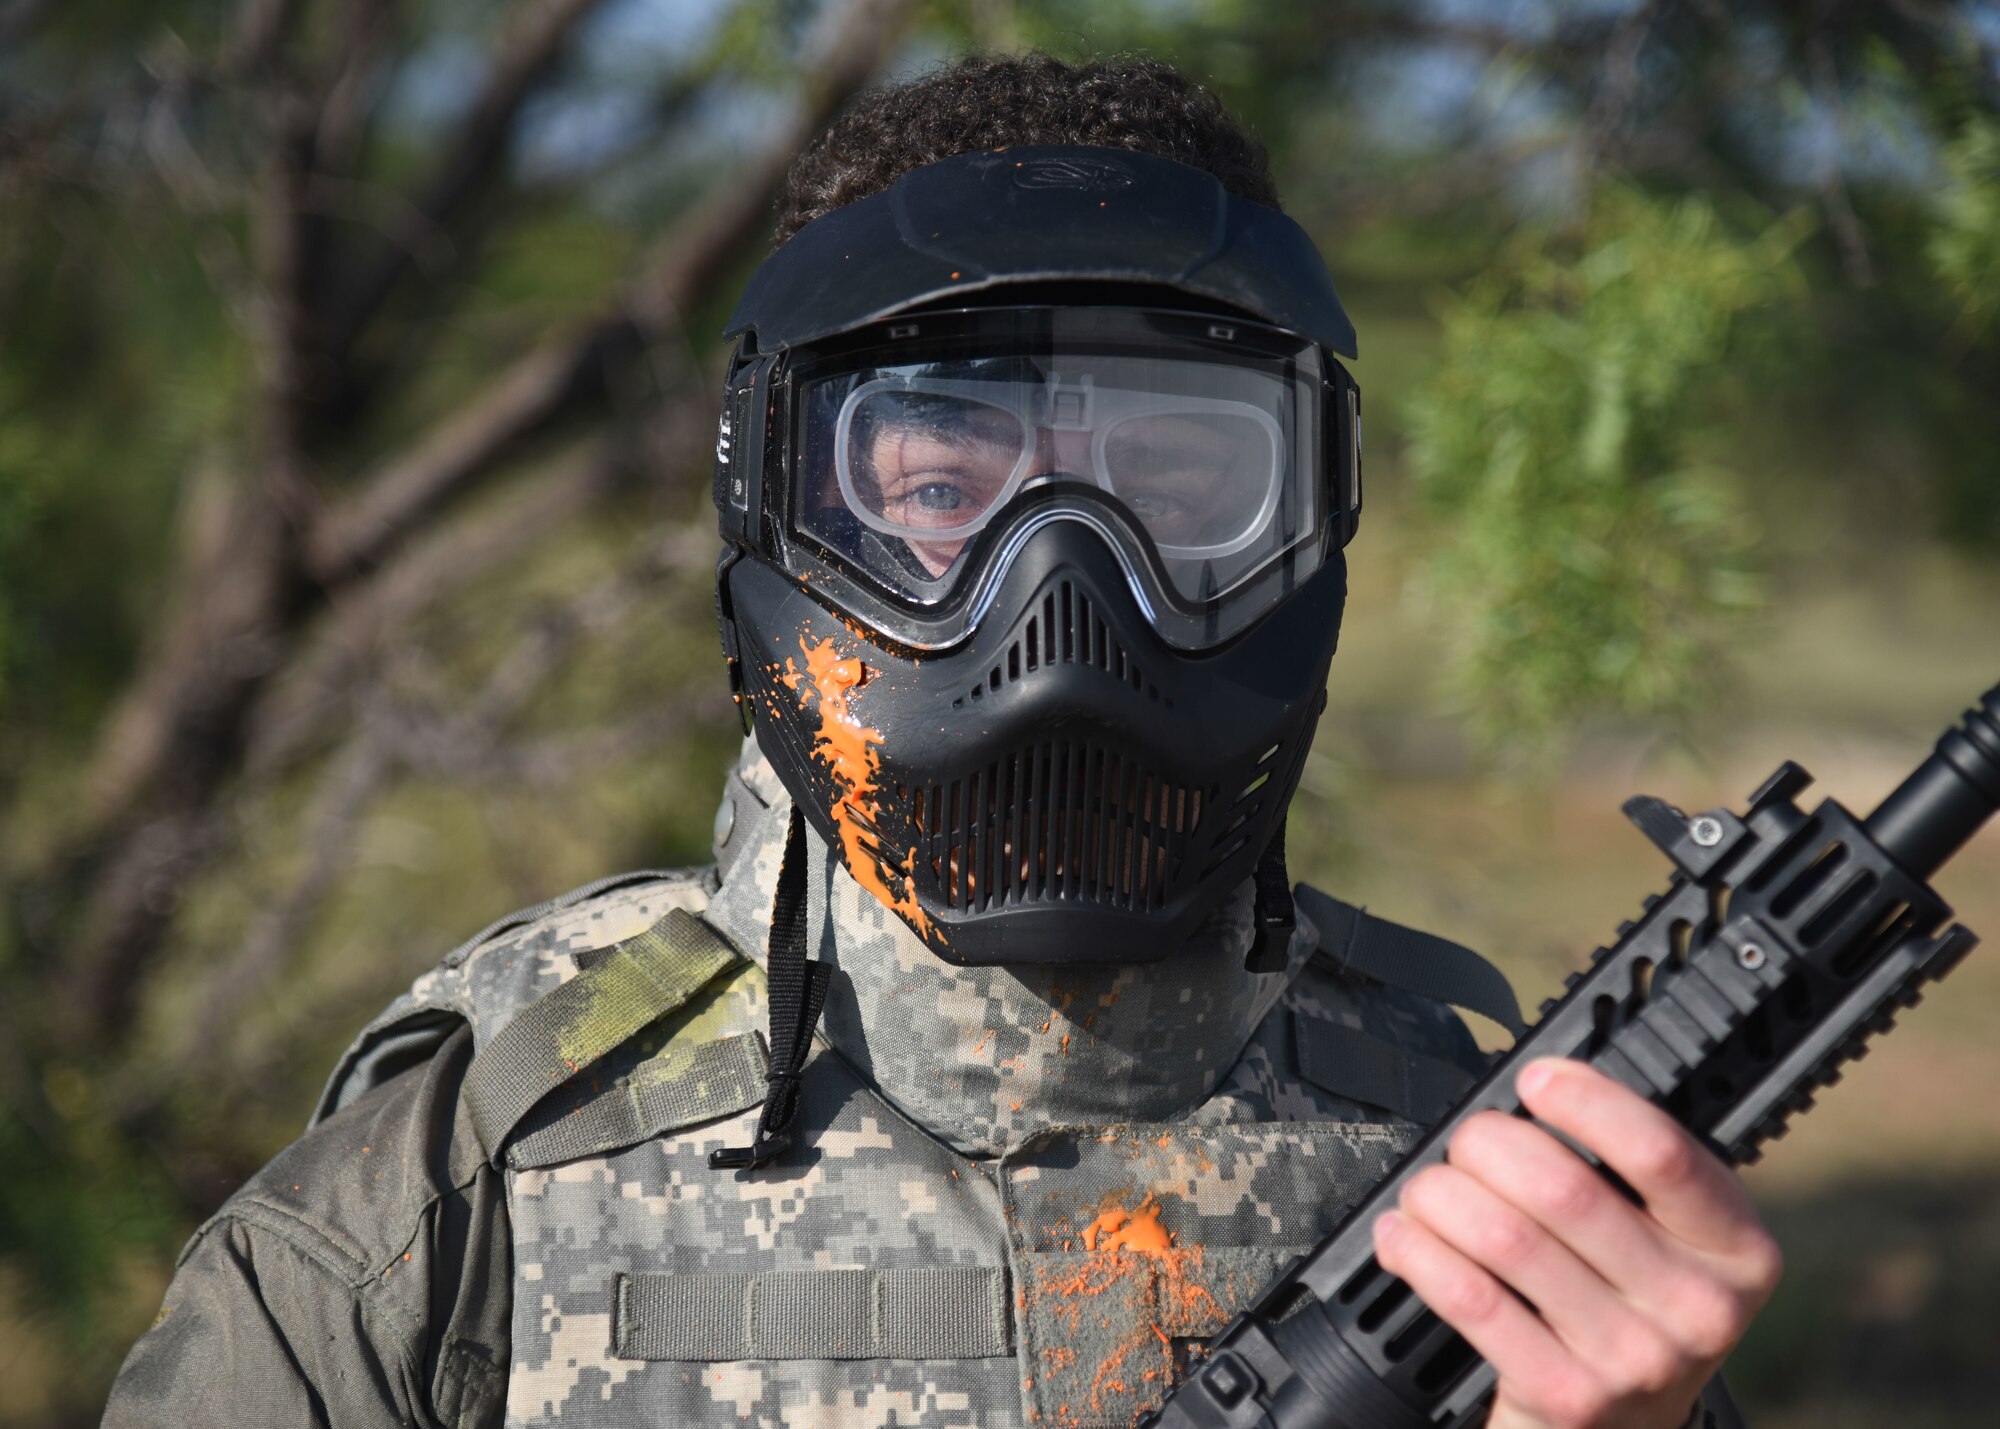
796,988
1274,916
1350,1063
1422,963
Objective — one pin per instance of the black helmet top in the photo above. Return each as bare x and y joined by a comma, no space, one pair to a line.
1040,214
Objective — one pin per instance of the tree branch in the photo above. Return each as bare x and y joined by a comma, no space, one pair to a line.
18,19
403,491
315,694
1459,178
461,745
1955,23
331,822
1846,225
665,107
290,254
259,32
546,384
348,94
178,732
556,761
1609,120
1571,35
202,198
528,53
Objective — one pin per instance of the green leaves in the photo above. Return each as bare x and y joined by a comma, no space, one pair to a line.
1964,247
1586,560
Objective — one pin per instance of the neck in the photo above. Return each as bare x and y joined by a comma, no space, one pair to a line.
984,1057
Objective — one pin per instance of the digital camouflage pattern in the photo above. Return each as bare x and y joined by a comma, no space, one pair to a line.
1127,1154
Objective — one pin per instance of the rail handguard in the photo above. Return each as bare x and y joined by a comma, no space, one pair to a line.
1784,942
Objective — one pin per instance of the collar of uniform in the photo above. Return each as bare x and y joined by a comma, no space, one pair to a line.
986,1057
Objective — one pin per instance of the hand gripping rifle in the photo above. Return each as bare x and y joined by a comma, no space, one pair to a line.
1784,942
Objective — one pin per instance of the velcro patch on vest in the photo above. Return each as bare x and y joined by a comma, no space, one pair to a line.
951,1313
682,1085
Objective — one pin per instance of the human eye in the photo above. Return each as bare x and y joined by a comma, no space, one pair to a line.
932,495
932,482
1154,505
941,496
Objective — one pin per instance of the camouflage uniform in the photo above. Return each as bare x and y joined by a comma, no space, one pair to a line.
1020,1197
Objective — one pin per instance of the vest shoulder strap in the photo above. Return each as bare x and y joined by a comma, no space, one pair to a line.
1413,1059
1423,963
616,992
489,978
1351,1063
683,1084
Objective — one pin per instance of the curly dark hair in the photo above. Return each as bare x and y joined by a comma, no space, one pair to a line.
984,102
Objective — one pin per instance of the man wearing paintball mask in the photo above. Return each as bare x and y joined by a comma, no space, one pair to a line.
996,1064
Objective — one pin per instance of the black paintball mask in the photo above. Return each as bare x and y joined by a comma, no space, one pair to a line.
1035,472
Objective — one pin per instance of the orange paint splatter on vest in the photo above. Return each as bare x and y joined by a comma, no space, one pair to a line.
1129,1273
849,748
1120,1229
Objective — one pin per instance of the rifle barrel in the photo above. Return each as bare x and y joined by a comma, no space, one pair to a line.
1932,814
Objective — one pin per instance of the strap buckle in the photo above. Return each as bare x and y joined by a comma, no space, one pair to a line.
1270,949
749,1158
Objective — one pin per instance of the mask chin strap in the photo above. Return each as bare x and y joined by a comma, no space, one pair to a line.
1274,916
796,991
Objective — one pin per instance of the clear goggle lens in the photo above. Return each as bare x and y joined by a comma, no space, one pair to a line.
930,459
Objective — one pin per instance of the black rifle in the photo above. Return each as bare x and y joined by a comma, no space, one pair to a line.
1785,941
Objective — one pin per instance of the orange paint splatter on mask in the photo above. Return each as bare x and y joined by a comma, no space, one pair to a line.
849,748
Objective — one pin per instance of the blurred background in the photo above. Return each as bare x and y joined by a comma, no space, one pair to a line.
358,371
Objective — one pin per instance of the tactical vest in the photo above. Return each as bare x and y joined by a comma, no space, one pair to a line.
875,1277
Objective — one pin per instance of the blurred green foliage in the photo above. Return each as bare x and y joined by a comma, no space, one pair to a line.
69,1221
1965,247
122,389
23,472
1586,560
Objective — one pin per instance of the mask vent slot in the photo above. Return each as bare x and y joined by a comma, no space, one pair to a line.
1238,819
1063,630
1057,822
